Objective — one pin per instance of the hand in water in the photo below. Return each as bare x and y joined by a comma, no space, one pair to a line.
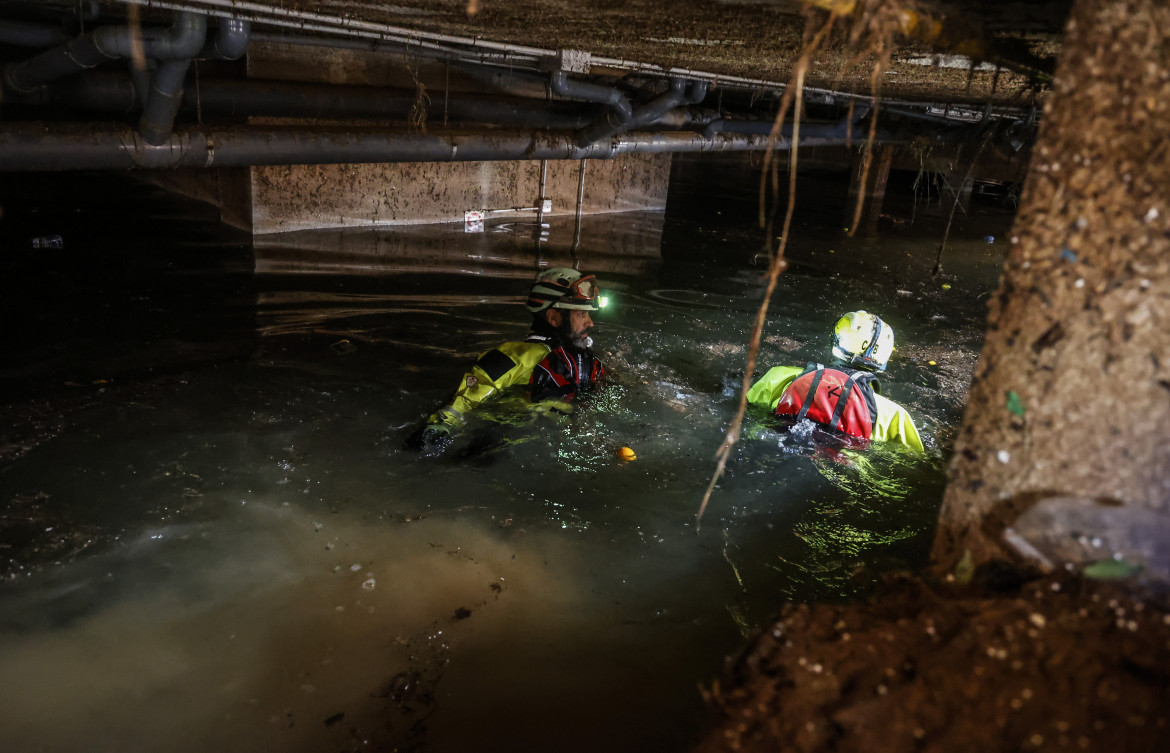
431,436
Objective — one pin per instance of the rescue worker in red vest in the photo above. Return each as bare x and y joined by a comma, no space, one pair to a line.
842,396
554,363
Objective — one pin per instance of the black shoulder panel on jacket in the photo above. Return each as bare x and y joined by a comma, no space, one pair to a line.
496,363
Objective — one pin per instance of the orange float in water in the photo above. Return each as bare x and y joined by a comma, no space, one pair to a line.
626,453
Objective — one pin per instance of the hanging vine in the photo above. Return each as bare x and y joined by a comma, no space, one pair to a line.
876,24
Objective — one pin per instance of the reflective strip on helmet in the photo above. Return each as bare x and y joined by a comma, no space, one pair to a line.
873,343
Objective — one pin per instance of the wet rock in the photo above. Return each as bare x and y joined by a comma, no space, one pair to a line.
1083,531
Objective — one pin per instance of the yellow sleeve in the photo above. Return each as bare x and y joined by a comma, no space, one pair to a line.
766,392
895,425
495,370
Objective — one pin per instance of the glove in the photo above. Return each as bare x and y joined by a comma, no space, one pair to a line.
431,435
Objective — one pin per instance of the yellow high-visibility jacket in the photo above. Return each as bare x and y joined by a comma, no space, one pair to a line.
495,370
893,421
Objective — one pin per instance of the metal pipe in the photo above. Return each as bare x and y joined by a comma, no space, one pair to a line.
538,231
30,34
443,45
680,91
231,40
472,49
605,127
842,127
162,104
114,93
619,106
181,41
730,125
35,147
166,91
301,19
580,205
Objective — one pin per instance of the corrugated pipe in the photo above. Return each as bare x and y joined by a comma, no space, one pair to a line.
25,147
678,93
30,34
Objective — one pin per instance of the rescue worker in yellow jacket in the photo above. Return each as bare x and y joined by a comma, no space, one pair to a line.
555,362
843,396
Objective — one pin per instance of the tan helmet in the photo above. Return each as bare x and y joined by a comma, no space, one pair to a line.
563,288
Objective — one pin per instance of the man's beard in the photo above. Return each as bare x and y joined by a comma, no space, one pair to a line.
582,341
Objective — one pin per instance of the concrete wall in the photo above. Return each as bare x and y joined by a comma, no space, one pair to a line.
229,188
301,197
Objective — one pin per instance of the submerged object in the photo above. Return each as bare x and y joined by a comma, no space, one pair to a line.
626,453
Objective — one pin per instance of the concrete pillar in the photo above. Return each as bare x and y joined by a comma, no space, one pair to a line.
873,192
298,197
956,181
229,188
273,199
301,197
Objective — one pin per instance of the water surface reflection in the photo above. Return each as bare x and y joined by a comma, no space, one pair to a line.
263,566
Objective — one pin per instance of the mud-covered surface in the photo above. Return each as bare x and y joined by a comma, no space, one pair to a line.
1060,664
1087,282
755,39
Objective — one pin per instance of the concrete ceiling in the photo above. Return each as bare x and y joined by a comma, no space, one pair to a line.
737,40
728,61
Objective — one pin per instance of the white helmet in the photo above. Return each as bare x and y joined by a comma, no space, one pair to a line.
863,339
563,288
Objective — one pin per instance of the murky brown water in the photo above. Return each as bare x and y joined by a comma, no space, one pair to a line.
244,557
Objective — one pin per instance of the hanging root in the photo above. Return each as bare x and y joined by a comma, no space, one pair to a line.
137,48
875,25
875,28
792,94
418,109
934,272
875,89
